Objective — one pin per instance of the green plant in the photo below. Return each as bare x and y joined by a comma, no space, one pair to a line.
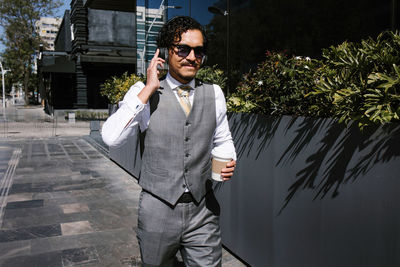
116,87
212,75
277,87
361,81
353,82
88,115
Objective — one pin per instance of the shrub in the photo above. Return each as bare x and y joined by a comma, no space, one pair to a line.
361,81
116,87
212,75
353,81
277,87
88,115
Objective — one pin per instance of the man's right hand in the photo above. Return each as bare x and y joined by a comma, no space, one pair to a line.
152,83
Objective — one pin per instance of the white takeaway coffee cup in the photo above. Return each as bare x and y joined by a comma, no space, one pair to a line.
219,161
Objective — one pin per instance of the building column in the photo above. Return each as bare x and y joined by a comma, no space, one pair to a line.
81,85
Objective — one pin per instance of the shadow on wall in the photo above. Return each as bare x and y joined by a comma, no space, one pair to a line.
329,154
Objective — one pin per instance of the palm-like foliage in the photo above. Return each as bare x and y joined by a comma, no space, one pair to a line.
353,81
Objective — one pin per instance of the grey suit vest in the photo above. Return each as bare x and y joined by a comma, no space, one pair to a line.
177,149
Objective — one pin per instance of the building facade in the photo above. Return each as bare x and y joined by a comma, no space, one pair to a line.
102,38
47,28
148,23
96,40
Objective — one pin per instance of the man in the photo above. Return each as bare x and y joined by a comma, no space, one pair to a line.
177,208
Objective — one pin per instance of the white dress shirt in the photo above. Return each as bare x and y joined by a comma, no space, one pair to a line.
131,112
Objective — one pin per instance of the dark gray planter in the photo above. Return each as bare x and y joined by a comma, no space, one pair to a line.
307,192
128,155
112,108
312,192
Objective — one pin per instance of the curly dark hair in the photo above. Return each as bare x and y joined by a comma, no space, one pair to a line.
173,29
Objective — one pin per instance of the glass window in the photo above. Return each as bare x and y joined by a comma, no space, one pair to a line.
300,28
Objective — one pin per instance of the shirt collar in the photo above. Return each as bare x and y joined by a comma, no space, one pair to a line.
173,83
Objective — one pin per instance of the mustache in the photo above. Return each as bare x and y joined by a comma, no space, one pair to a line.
192,64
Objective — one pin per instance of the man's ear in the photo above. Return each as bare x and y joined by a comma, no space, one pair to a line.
170,51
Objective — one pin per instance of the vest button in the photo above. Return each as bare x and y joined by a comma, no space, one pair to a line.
184,186
186,170
187,155
187,124
187,139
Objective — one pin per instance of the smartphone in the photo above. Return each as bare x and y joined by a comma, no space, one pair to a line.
164,55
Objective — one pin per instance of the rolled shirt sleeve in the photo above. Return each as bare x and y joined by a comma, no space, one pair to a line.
223,142
120,125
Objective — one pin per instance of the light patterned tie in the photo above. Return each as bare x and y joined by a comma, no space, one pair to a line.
183,93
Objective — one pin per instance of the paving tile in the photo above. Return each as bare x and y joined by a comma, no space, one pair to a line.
114,207
31,221
25,204
30,233
74,208
60,195
52,259
119,254
75,228
54,243
29,188
131,261
13,249
103,220
42,195
55,217
79,186
91,200
79,256
113,236
31,212
20,197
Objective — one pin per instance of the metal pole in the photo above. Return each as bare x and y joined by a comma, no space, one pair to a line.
165,12
13,94
2,80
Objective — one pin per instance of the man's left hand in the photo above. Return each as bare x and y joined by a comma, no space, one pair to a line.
227,172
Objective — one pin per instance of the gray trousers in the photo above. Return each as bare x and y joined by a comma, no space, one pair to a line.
191,228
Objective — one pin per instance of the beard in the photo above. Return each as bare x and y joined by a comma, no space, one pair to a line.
185,75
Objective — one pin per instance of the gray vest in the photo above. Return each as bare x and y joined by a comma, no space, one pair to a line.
177,149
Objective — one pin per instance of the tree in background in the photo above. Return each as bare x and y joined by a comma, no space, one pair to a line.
21,39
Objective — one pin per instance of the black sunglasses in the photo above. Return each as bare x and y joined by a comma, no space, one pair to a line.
184,51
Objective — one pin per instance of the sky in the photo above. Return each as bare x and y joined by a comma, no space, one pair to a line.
66,5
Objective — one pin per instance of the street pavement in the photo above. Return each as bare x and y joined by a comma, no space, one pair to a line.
63,202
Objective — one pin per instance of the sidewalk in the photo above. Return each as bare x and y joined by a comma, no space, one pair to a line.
67,204
64,203
19,122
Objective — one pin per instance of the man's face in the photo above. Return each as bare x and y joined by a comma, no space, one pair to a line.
184,68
